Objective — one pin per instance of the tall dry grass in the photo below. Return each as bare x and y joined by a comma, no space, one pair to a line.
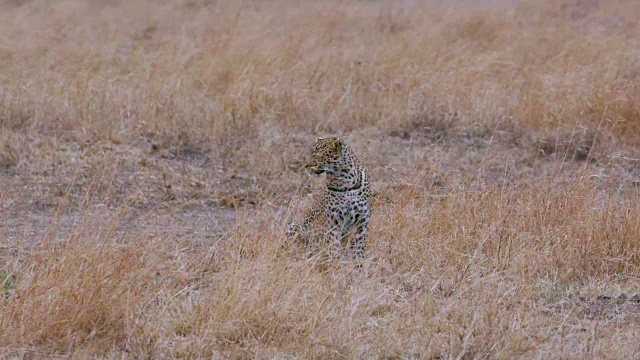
121,69
501,273
151,155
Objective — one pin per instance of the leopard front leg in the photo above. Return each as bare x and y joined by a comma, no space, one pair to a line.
358,230
358,243
336,242
300,230
352,235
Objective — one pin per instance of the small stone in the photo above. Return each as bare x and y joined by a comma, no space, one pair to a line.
604,297
623,296
635,298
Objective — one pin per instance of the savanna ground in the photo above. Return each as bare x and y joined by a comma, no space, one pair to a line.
152,152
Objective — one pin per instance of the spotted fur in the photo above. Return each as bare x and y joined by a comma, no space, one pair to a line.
344,209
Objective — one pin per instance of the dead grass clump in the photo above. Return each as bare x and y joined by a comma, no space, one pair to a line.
8,157
615,106
530,231
86,289
484,27
432,124
576,145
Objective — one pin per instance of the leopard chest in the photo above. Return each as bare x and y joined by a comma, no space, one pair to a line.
346,209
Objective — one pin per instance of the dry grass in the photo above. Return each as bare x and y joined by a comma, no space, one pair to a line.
151,155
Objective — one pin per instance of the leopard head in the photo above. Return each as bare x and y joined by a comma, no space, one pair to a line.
326,155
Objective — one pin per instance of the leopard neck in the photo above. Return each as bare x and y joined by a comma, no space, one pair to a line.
348,180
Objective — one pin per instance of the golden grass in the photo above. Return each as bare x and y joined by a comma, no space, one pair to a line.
151,155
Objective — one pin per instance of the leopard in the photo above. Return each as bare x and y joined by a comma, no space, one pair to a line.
344,209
